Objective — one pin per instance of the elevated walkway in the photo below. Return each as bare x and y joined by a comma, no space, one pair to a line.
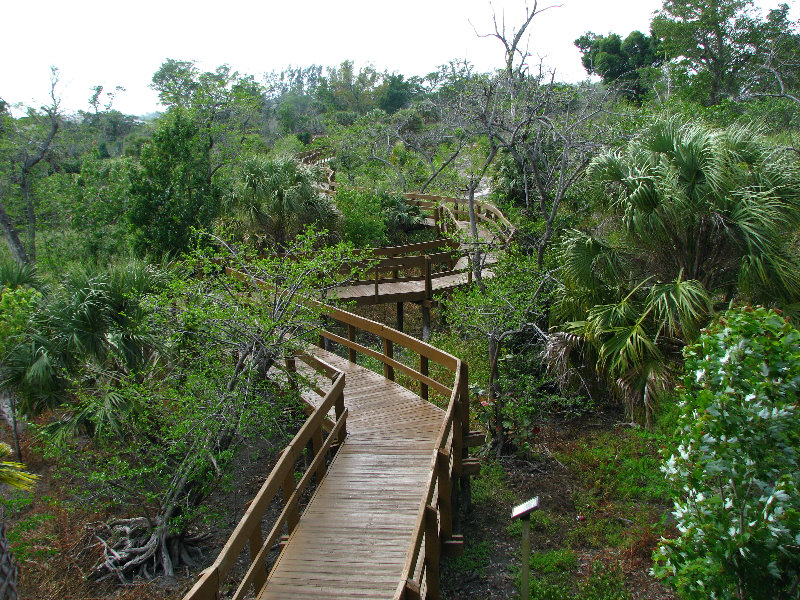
382,511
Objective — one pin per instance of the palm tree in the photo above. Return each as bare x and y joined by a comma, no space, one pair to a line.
13,474
276,196
700,217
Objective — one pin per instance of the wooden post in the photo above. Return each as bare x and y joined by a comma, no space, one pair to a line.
526,558
317,441
432,552
423,368
400,317
388,351
338,405
351,335
288,486
291,369
256,541
465,482
426,321
428,282
445,507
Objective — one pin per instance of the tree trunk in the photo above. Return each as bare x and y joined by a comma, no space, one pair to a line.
12,237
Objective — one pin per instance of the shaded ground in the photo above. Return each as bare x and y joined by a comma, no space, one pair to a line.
600,519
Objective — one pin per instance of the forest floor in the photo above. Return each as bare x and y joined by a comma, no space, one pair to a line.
602,511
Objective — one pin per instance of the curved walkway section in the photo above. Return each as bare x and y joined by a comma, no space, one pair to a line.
353,537
381,514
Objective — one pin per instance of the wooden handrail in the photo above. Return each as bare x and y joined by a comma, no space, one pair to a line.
248,531
433,526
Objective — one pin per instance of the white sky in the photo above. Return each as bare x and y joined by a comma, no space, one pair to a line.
115,43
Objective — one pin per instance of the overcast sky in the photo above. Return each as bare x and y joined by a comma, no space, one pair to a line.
114,43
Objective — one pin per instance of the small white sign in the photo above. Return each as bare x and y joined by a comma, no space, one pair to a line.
525,509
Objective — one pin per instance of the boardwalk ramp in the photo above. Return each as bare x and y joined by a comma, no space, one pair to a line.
381,513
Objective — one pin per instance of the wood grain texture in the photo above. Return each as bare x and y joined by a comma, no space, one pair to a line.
353,537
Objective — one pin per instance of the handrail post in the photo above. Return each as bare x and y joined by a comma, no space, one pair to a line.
338,405
445,507
256,541
291,369
288,487
428,282
432,552
423,368
351,335
388,351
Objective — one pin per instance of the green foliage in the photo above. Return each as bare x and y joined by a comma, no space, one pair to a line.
736,470
554,561
163,433
17,306
90,326
173,191
274,198
635,293
364,224
624,62
621,464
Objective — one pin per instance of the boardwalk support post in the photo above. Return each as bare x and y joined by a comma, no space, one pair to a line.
400,317
351,335
432,552
388,351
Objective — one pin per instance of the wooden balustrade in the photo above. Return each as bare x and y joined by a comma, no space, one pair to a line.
433,534
282,477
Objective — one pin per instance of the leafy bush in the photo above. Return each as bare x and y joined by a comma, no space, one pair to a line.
364,224
736,471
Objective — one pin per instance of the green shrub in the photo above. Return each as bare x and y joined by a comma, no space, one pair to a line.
364,225
736,470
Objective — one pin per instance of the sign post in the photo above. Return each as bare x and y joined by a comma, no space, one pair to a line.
523,512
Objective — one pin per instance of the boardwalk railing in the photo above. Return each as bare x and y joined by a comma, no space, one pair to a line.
425,261
433,530
282,477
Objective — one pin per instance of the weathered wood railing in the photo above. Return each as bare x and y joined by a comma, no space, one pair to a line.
433,531
282,477
426,261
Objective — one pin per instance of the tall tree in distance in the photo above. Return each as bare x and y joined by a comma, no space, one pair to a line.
713,42
172,193
24,143
618,61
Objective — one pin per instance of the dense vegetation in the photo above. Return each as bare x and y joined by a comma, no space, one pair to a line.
134,374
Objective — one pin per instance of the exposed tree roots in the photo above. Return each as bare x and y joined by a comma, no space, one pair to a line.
141,549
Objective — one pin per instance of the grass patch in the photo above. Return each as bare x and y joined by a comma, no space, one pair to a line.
475,559
490,486
555,561
623,464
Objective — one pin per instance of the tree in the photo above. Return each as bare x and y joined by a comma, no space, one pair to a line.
277,197
699,214
171,192
506,306
736,469
713,42
215,385
225,106
619,62
26,143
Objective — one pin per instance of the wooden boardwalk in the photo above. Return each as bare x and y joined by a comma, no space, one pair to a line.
381,515
354,535
382,512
